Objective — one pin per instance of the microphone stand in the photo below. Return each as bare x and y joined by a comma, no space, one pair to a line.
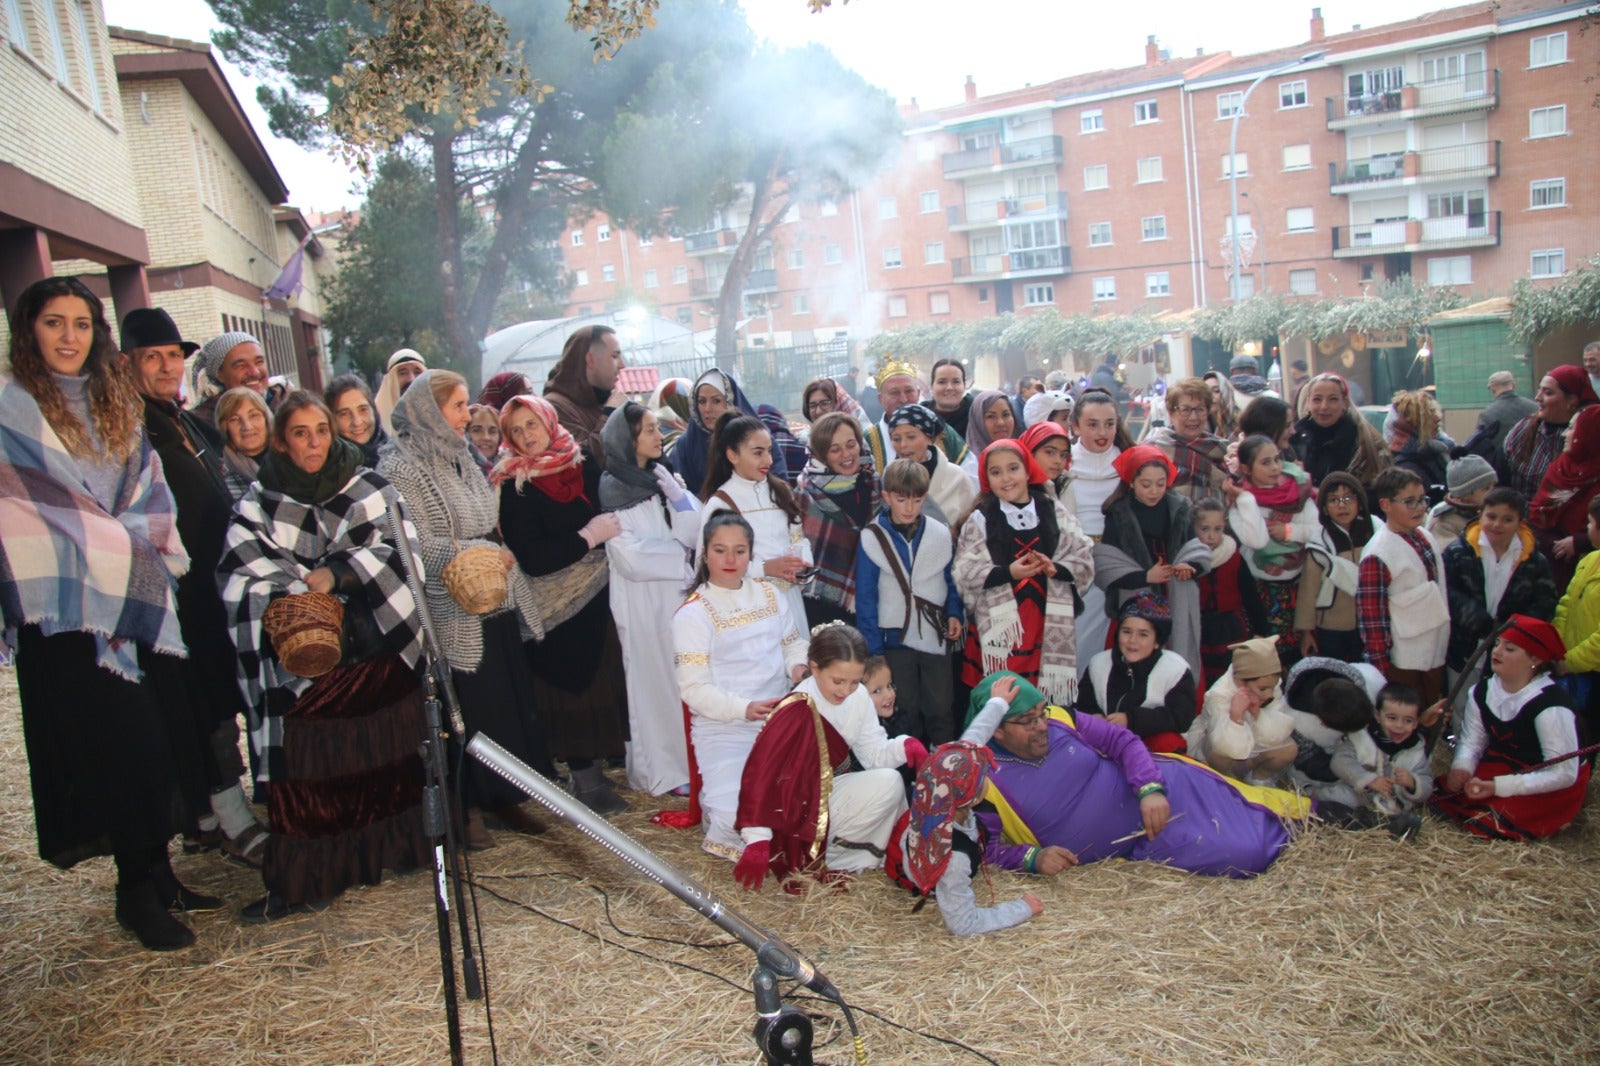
438,820
783,1033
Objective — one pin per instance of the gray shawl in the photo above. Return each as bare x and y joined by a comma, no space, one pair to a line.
624,482
1112,563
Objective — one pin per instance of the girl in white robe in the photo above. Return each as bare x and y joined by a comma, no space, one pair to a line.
1092,479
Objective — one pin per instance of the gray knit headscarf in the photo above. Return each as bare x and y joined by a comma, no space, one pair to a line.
217,348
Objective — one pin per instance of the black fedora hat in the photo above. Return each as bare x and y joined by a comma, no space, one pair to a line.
151,327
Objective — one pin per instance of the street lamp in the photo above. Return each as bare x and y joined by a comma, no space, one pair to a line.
1233,159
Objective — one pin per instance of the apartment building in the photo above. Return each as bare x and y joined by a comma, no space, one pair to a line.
1442,147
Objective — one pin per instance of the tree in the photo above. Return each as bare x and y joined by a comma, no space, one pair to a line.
761,130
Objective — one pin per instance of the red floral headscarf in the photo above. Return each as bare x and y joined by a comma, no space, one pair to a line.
952,778
557,471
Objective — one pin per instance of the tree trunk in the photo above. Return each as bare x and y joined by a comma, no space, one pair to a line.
512,221
463,346
730,298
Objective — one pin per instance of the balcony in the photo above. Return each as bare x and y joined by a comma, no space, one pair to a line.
990,213
1477,91
1456,162
1417,235
759,282
1028,263
1035,151
710,241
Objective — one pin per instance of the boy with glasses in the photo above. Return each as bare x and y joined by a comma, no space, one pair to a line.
1402,606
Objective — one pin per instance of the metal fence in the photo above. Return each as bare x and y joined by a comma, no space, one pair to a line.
769,375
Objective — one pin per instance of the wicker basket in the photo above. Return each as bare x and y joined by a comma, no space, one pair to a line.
476,579
305,632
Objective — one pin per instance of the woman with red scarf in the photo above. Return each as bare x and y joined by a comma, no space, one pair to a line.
551,521
1559,512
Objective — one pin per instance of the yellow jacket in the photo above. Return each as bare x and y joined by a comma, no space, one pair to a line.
1578,616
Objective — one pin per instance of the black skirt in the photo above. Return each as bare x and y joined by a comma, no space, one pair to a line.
499,700
117,767
579,685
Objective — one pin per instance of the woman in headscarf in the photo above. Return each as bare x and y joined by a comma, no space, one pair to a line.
454,509
89,548
245,421
502,387
551,520
1411,433
1559,512
670,402
714,392
658,526
1533,443
838,497
1332,435
337,755
403,368
991,419
354,417
483,434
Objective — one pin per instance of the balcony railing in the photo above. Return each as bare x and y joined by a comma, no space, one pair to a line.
709,241
1477,91
1417,235
1025,263
993,212
1479,159
1030,152
759,281
762,281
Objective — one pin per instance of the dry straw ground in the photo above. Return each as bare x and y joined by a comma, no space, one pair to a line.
1352,949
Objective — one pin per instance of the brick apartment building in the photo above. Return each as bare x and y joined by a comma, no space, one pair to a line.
126,159
1446,147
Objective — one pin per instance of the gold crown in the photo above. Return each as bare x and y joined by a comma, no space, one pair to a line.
893,368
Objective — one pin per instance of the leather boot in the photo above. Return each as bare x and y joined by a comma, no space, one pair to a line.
140,910
176,897
592,789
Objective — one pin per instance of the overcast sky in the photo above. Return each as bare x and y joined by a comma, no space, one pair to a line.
912,48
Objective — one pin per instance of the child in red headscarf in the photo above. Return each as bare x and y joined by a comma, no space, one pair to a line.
1516,774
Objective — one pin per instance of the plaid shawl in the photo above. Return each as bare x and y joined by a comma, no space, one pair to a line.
833,536
1201,461
273,543
66,565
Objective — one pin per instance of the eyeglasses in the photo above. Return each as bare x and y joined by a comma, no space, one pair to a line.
1416,503
820,405
1342,499
1026,721
1192,410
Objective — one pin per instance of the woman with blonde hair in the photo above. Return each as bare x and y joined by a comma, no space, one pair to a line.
1411,432
1332,434
245,422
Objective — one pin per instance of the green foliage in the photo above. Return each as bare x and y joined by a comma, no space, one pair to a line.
1538,309
1048,334
1399,304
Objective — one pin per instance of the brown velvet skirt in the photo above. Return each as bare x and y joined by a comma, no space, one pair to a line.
350,802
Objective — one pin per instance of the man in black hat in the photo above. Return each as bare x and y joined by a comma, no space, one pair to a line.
191,457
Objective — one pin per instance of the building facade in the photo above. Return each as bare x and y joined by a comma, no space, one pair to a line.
1442,148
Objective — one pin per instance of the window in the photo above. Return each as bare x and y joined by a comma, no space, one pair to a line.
1548,263
1450,270
1468,204
1303,282
652,279
1230,104
1463,67
832,254
580,277
1238,163
602,232
79,17
938,303
1244,226
1292,94
1091,121
1150,169
828,208
1153,227
933,252
1039,295
16,27
1158,283
1296,157
1547,192
1144,111
1299,219
891,258
645,242
1099,233
1096,177
1105,288
797,258
1547,121
897,307
802,303
608,273
1543,51
58,47
577,238
926,151
928,202
887,208
680,275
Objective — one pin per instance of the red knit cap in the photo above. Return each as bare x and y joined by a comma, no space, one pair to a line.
1536,637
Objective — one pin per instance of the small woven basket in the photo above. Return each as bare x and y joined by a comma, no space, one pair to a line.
476,579
305,632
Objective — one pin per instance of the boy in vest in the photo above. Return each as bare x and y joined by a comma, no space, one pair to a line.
1386,762
907,606
1402,609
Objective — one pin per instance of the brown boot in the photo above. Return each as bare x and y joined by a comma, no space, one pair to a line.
474,834
519,818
